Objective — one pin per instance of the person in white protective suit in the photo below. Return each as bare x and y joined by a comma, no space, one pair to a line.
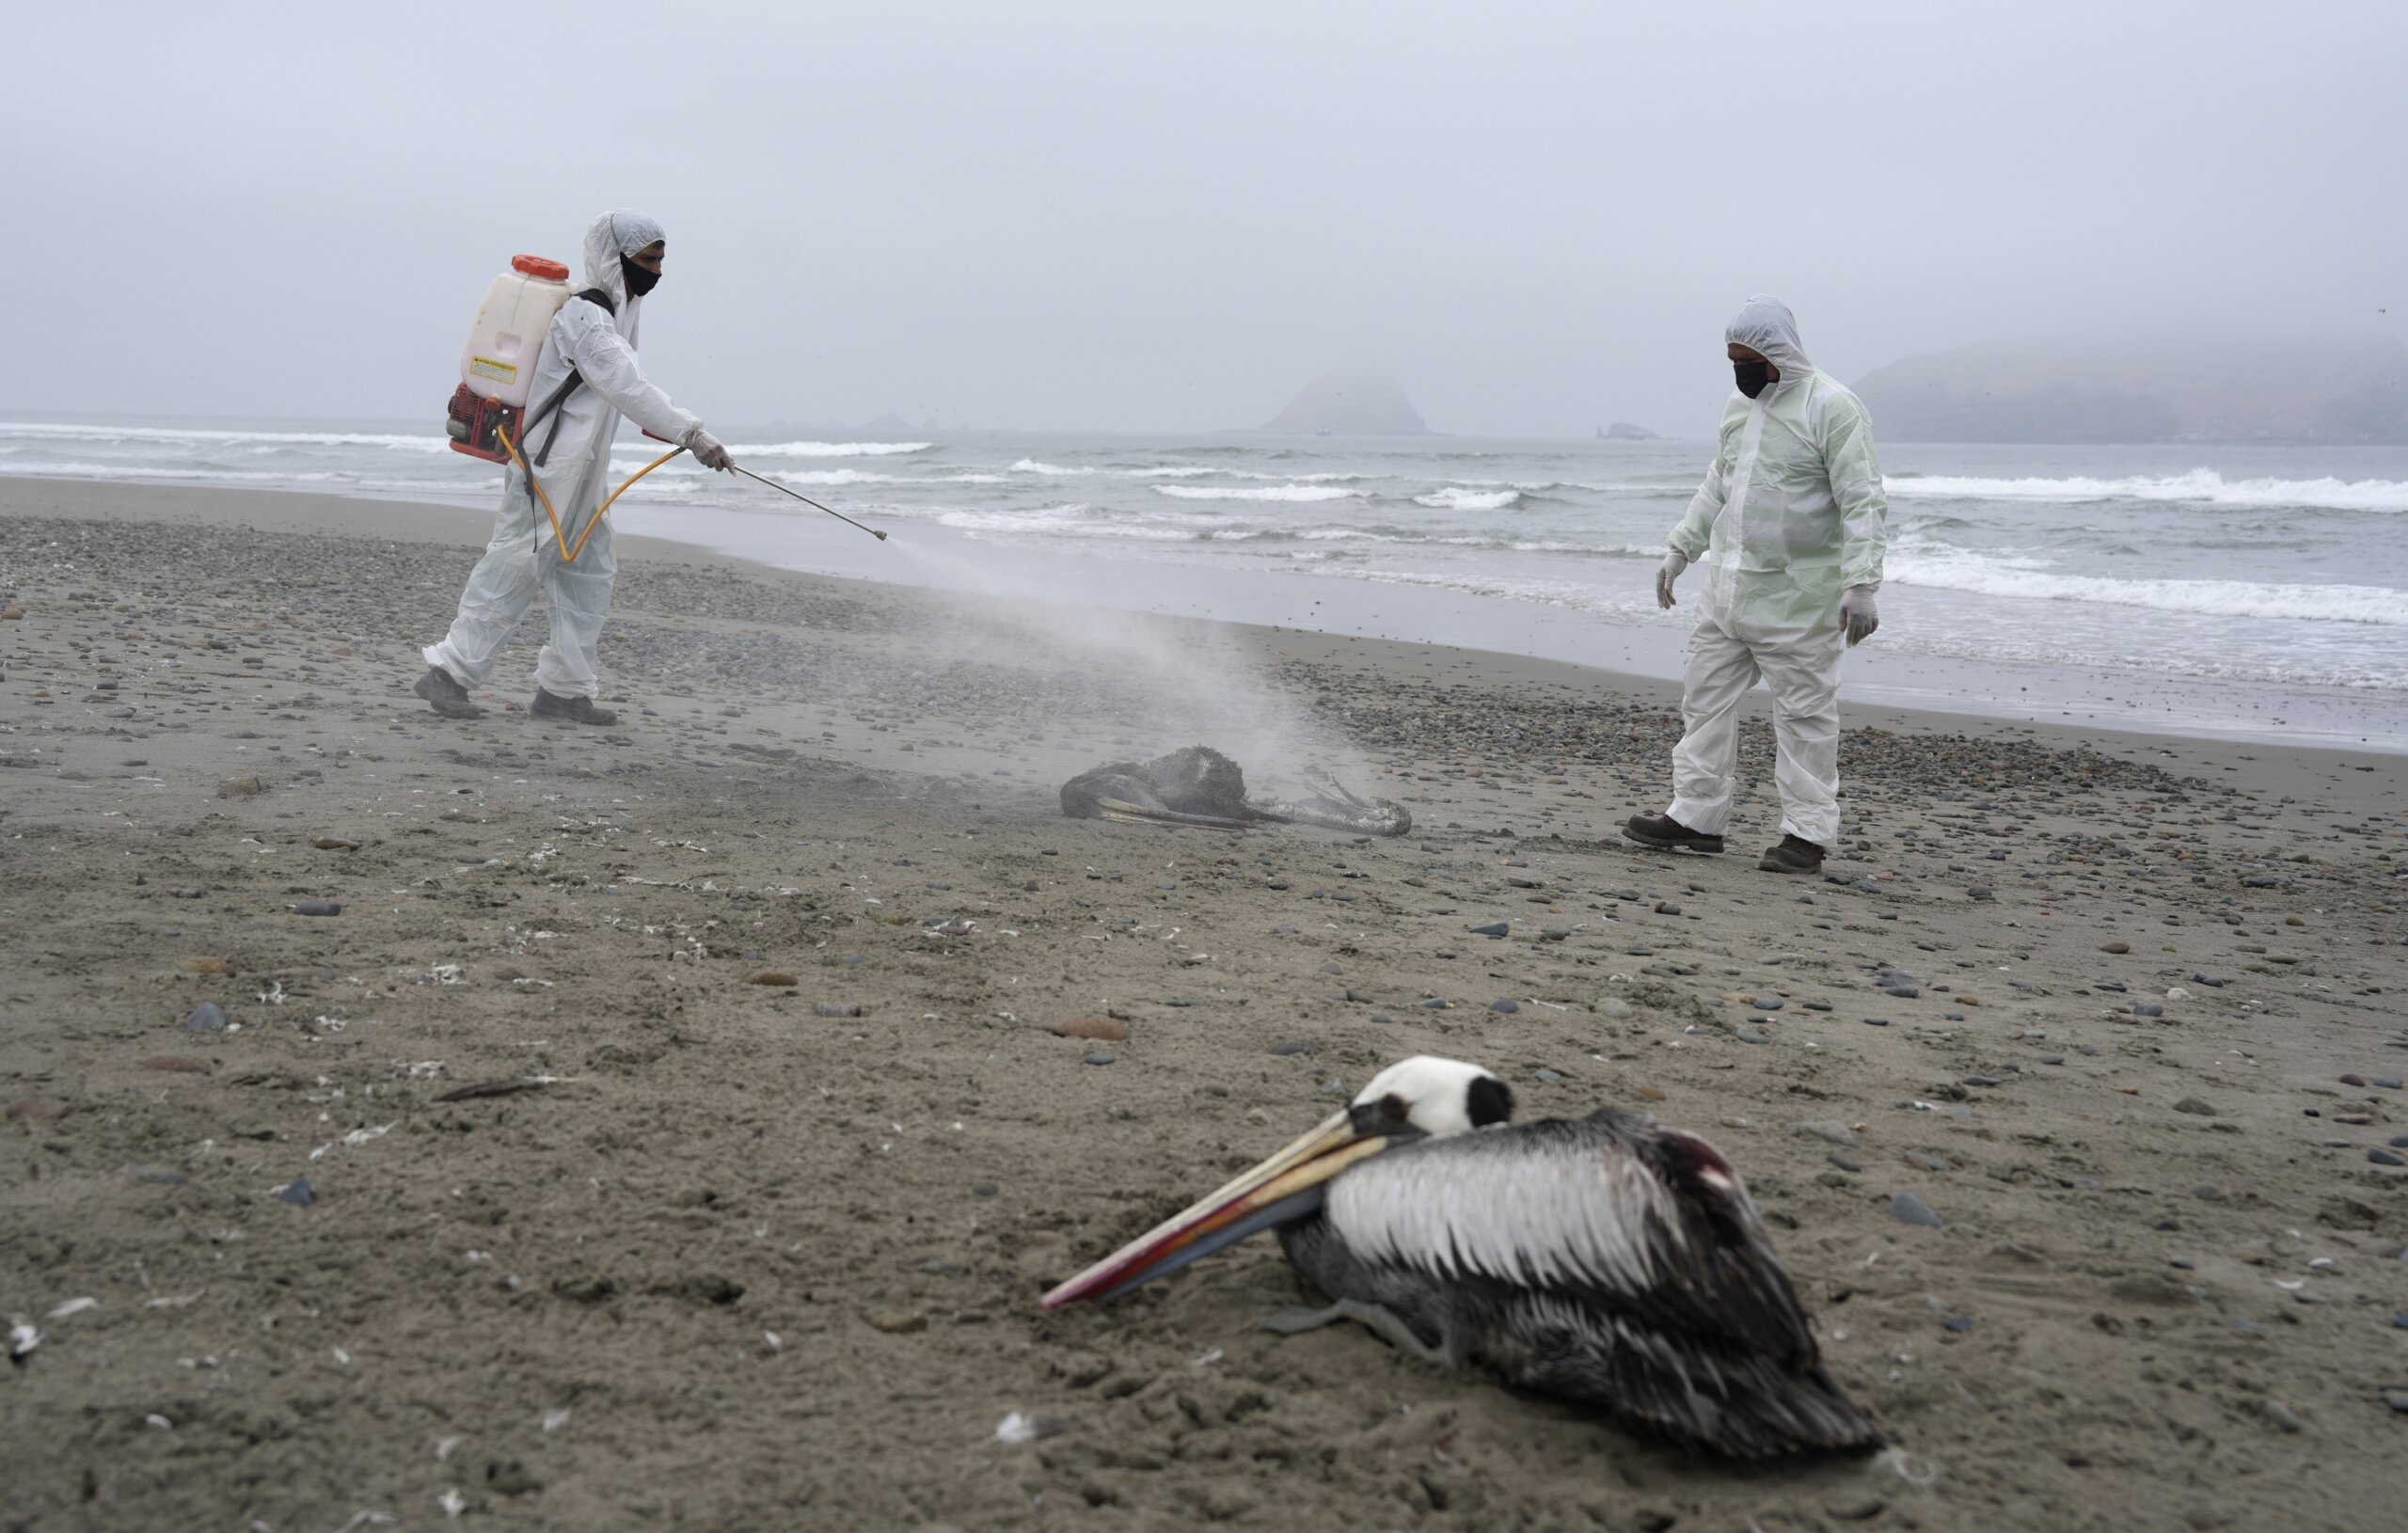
585,380
1790,524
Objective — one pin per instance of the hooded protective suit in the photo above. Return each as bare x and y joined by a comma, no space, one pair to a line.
573,465
1790,517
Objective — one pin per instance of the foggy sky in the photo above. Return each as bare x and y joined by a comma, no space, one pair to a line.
1171,216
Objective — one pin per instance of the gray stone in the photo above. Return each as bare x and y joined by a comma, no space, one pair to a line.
1099,1057
2208,1192
1906,1209
1831,1131
2283,1415
1749,1034
2192,1105
315,907
209,1017
2384,1156
1493,930
297,1192
1506,1006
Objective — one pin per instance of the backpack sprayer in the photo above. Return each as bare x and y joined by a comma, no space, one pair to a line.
497,372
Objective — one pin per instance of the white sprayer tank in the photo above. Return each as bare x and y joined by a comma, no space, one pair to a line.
499,361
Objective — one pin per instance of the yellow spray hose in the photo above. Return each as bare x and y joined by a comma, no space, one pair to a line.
559,541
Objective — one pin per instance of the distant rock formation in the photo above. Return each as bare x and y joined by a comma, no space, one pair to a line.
1623,431
2191,389
1362,405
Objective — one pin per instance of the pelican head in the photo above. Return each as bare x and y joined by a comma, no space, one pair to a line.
1421,1098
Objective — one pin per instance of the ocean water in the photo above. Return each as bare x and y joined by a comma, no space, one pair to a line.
2225,588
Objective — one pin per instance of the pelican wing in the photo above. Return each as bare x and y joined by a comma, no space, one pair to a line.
1609,1210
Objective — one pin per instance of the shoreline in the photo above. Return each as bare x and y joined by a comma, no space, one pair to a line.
805,1043
2085,700
442,523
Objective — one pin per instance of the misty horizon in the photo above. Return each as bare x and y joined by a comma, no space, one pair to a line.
1538,218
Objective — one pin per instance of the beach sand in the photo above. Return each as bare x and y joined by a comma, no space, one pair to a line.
744,1263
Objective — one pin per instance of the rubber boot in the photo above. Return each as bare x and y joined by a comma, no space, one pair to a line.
1665,833
574,710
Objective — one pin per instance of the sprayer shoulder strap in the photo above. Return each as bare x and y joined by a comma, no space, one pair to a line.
568,385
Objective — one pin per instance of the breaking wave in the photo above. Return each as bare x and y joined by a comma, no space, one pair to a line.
829,449
1990,576
1263,492
2200,486
1459,498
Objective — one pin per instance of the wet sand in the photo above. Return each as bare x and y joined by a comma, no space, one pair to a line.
741,1262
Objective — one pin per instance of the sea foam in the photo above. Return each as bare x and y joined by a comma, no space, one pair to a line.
2202,487
1256,491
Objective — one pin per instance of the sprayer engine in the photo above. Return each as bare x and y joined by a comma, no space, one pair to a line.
475,423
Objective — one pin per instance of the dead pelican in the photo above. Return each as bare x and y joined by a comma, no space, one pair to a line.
1199,785
1606,1258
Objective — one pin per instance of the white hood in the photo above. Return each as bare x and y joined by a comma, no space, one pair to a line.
616,234
1764,323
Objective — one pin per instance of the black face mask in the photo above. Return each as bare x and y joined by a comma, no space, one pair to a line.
1753,376
640,282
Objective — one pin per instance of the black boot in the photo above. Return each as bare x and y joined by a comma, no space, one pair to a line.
1665,833
577,710
1795,854
446,696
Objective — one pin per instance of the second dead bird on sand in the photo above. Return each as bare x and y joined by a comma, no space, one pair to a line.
1199,787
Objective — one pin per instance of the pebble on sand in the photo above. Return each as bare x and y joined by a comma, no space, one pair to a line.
1096,1029
1906,1209
837,1008
209,965
297,1192
240,788
1099,1057
209,1017
776,978
2194,1106
173,1064
898,1323
2283,1415
315,907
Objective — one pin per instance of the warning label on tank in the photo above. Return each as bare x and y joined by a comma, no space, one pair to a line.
485,367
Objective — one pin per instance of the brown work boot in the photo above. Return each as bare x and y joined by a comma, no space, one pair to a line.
574,710
446,696
1665,833
1795,854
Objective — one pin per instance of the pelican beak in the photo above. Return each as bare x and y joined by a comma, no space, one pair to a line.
1282,1189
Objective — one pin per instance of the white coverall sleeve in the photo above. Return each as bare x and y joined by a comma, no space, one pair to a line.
1695,528
607,364
1855,487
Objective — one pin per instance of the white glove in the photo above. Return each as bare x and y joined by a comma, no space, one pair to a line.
1674,562
705,448
1857,611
